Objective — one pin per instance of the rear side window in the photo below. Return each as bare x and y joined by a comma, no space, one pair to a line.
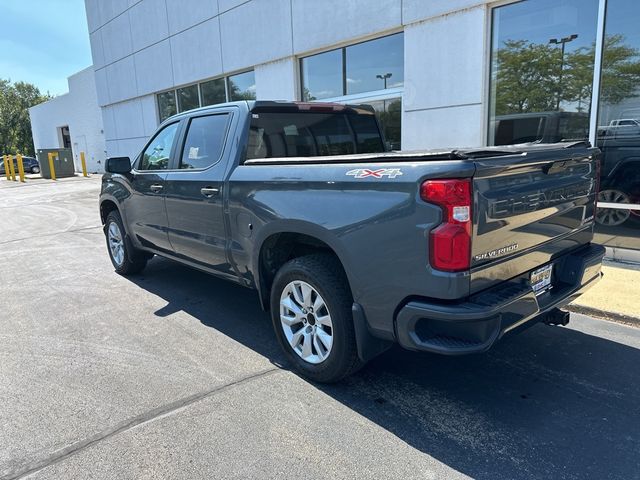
286,134
204,141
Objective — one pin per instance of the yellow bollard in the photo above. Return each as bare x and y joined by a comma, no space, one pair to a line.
84,164
20,167
12,168
52,169
6,166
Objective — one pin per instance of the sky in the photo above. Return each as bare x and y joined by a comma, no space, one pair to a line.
43,42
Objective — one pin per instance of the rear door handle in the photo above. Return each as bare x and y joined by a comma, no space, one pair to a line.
209,191
156,188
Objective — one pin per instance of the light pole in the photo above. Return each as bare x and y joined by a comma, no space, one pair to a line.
384,78
562,42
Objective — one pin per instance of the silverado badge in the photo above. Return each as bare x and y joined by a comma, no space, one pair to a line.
498,252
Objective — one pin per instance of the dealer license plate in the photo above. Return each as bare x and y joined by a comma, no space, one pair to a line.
541,279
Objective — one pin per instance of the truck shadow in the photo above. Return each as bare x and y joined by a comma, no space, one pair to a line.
550,403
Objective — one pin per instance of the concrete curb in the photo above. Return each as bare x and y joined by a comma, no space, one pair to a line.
604,315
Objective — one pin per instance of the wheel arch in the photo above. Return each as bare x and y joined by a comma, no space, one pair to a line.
279,245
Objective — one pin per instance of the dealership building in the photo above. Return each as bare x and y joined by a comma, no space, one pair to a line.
440,73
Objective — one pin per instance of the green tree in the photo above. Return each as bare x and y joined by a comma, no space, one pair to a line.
15,126
529,78
526,77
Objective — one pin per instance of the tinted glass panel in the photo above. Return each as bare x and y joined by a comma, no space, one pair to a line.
389,114
375,65
213,92
322,76
311,134
167,104
619,127
542,70
156,156
242,86
188,98
204,142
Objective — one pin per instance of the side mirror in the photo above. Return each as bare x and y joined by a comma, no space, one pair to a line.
118,165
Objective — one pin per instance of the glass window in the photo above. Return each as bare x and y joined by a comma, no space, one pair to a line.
188,98
242,86
619,127
213,92
542,71
157,154
375,65
204,142
322,76
389,114
167,104
286,134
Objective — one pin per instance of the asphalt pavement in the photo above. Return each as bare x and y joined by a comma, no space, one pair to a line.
176,374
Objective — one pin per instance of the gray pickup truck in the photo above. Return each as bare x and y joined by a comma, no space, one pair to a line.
353,248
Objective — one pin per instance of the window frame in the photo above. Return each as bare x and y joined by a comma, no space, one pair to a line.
184,131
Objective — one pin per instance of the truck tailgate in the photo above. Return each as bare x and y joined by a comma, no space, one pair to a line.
530,208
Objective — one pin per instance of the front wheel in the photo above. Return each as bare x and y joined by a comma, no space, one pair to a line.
124,260
311,314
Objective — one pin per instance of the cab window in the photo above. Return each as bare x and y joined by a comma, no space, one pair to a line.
204,141
157,154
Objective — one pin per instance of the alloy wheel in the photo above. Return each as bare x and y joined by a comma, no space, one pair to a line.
306,322
116,243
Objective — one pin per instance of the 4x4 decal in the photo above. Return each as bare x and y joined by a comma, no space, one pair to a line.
379,173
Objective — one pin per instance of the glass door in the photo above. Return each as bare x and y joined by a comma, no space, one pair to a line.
618,127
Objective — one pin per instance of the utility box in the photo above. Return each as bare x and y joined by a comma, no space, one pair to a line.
62,163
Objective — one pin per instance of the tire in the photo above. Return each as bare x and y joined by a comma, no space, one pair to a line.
125,259
35,169
611,217
303,332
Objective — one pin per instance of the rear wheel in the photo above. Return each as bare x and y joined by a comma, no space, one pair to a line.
125,259
35,169
611,217
311,314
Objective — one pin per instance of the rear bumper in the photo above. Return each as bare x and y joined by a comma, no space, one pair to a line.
474,325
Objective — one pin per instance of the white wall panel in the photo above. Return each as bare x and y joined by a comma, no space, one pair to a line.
131,147
94,20
153,70
276,80
97,50
444,61
128,120
121,78
149,114
116,39
110,9
317,24
229,4
443,128
416,10
255,32
102,86
195,53
149,23
187,13
109,123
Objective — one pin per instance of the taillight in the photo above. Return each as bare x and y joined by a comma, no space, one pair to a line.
450,242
